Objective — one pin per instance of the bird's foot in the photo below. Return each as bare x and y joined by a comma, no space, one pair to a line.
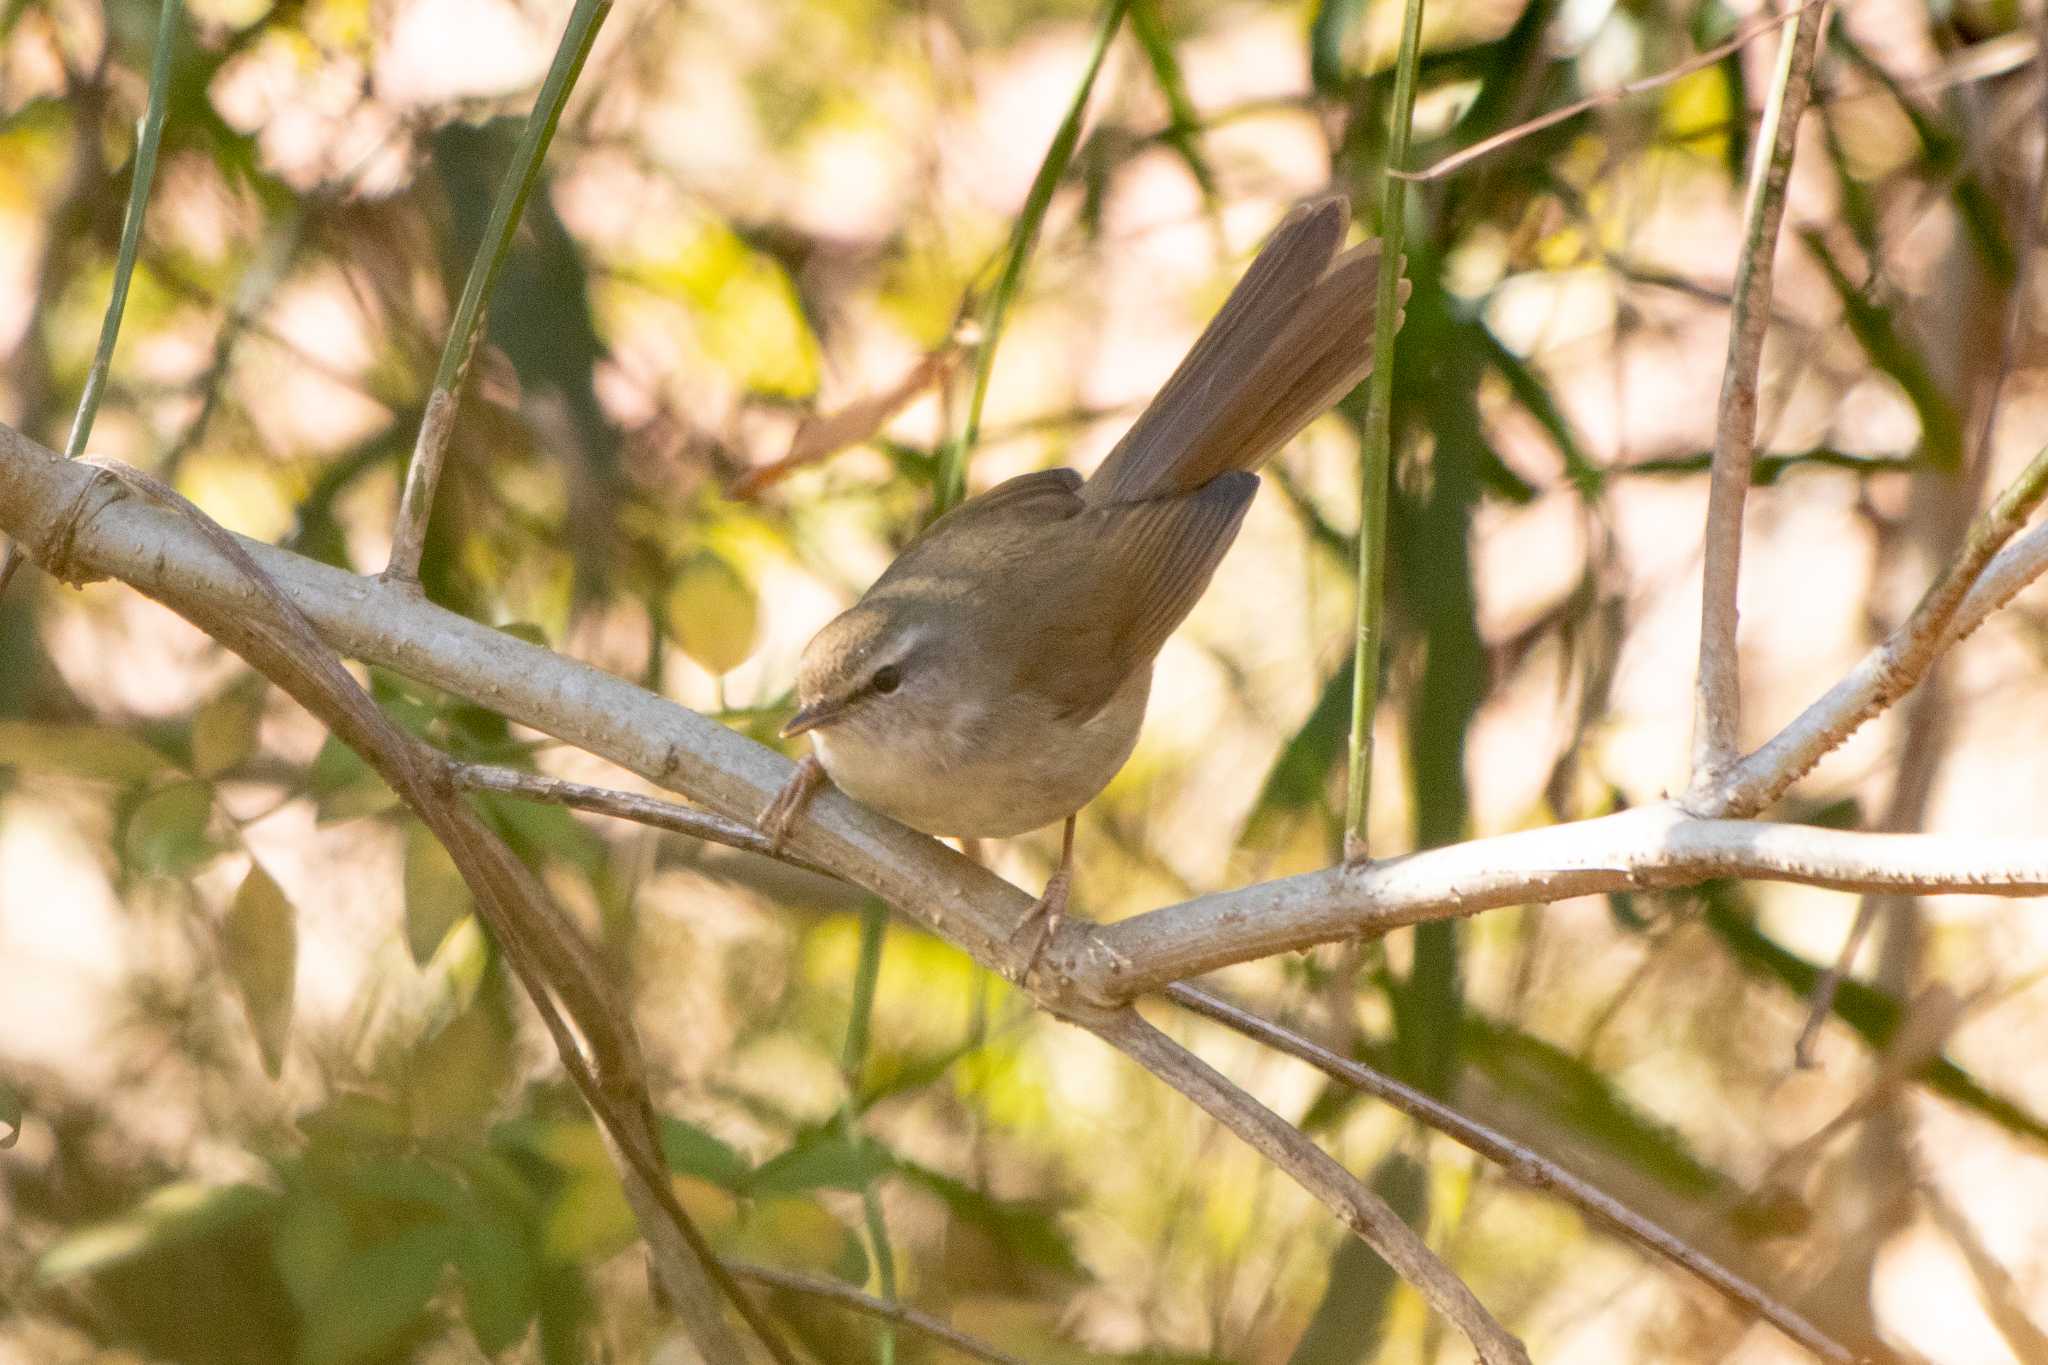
1043,920
790,802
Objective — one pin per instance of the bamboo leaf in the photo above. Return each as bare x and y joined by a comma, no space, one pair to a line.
260,949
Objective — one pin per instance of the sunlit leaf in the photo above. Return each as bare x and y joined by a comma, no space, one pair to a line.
456,1076
589,1218
170,1215
167,832
224,730
375,1296
78,751
436,896
259,941
711,613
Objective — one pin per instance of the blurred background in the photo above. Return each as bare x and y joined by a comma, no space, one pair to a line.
276,1099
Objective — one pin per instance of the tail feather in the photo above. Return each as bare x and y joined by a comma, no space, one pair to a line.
1293,338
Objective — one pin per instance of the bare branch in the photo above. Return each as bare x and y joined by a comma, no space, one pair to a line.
1521,1163
53,508
817,1286
623,805
1650,847
1741,38
1949,610
543,951
1717,708
156,551
1281,1143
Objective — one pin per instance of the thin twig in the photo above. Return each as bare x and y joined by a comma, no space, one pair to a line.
1375,455
1885,674
952,483
1281,1143
1519,1162
1717,709
1741,38
149,136
623,805
817,1286
465,329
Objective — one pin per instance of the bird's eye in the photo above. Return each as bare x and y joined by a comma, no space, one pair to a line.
887,679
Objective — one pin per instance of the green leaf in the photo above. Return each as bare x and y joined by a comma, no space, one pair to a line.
711,613
167,830
1299,779
1874,1014
1030,1233
1941,429
1587,1104
344,787
1351,1320
174,1213
78,751
436,897
10,1116
373,1298
224,730
499,1282
952,471
828,1159
310,1244
1148,27
1535,398
259,943
1328,35
689,1150
456,1076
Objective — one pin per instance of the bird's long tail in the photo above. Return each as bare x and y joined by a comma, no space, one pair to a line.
1293,337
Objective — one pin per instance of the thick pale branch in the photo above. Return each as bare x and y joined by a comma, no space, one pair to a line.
1717,693
68,526
1655,846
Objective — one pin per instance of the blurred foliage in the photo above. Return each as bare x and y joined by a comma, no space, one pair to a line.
313,1122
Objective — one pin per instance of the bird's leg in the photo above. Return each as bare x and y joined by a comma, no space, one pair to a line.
1042,921
789,803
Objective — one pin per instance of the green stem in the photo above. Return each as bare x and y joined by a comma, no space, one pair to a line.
423,476
520,178
147,140
953,468
1376,458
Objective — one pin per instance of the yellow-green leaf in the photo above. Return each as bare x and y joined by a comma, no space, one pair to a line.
224,731
713,615
77,751
259,942
436,897
167,831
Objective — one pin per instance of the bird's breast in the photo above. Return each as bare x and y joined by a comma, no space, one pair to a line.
990,772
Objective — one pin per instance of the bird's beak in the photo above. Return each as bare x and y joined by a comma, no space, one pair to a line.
811,717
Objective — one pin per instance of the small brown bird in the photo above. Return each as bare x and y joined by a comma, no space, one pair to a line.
993,679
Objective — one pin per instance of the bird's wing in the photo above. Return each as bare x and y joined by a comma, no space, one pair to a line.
1134,571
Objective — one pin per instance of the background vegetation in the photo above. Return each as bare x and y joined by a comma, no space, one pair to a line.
276,1098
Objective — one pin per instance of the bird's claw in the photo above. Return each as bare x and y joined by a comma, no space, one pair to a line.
1042,921
790,802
